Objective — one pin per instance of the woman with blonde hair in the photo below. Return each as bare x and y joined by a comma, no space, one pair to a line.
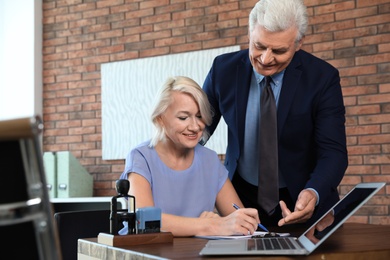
186,180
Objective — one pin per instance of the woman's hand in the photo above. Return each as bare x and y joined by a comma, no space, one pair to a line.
209,214
240,222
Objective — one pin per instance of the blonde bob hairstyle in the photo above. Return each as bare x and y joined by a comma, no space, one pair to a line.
185,85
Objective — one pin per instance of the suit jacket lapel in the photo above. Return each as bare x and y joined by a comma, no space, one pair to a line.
290,84
243,79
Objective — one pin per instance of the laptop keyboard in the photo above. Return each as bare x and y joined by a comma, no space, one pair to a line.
272,244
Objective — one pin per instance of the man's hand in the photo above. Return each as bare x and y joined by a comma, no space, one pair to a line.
304,208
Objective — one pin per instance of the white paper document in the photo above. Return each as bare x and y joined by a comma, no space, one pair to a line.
257,233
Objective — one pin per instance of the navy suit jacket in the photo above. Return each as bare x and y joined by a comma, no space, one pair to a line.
311,120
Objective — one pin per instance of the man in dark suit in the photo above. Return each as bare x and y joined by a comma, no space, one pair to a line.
312,154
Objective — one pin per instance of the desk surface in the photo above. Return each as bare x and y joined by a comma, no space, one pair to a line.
352,241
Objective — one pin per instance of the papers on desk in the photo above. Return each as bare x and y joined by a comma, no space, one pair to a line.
257,233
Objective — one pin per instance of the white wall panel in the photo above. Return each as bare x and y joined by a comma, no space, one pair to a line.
128,95
20,58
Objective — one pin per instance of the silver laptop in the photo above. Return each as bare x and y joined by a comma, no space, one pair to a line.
308,241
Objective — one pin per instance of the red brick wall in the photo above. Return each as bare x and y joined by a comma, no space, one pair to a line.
80,35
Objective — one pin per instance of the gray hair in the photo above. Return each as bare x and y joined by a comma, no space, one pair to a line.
280,15
185,85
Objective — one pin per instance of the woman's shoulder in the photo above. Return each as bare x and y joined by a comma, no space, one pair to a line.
205,151
142,148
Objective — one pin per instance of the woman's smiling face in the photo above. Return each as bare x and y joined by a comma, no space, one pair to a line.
182,121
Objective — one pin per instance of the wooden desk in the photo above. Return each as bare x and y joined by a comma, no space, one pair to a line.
352,241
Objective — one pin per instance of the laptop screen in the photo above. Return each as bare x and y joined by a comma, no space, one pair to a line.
308,241
345,208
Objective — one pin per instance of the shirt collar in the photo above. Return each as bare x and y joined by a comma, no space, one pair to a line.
276,78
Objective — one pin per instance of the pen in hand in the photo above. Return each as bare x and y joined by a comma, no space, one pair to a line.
260,225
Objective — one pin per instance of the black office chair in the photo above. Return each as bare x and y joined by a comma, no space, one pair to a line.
26,217
72,225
